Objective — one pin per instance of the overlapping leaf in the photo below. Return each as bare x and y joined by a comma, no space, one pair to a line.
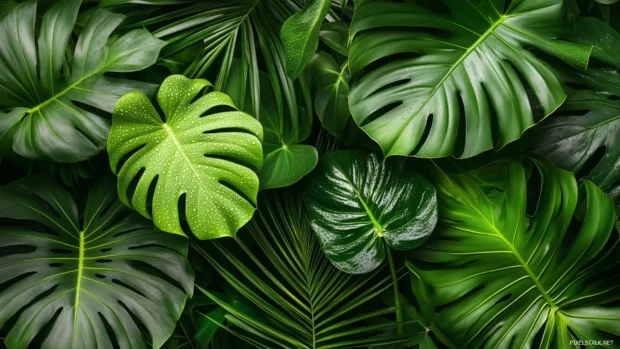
508,272
248,30
45,81
589,122
434,79
356,202
195,151
86,277
289,295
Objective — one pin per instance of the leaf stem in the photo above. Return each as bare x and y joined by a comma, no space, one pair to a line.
399,313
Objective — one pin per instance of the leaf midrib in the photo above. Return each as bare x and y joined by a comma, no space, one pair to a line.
499,235
464,56
78,285
174,139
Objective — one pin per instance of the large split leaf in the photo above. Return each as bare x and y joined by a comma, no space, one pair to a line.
247,31
509,266
300,35
285,161
289,295
87,276
42,79
195,151
588,123
356,201
434,82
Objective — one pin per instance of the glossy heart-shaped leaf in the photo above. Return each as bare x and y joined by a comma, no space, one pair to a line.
357,201
81,276
195,151
44,83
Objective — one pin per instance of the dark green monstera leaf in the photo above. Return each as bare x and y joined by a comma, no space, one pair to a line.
356,202
41,79
509,265
584,133
197,150
86,275
435,83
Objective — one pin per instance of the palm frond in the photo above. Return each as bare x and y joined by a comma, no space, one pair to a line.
303,300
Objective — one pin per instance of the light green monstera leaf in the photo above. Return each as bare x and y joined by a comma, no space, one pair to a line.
359,206
198,160
42,79
91,275
450,77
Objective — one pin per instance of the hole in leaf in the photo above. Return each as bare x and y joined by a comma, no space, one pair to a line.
149,269
109,331
425,134
217,110
591,163
237,191
35,343
8,283
107,249
131,188
103,261
138,322
380,112
125,285
100,276
16,249
461,136
151,194
56,265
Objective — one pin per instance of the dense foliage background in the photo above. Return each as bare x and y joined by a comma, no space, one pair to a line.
309,174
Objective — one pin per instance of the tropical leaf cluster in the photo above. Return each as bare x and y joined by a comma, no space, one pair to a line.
305,174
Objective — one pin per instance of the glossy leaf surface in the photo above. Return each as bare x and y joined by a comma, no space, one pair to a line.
433,84
194,150
300,35
330,84
509,266
290,296
588,124
78,271
357,201
39,88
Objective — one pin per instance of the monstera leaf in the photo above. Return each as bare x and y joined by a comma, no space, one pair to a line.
589,122
357,201
44,83
285,161
245,35
196,160
86,276
455,80
511,268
